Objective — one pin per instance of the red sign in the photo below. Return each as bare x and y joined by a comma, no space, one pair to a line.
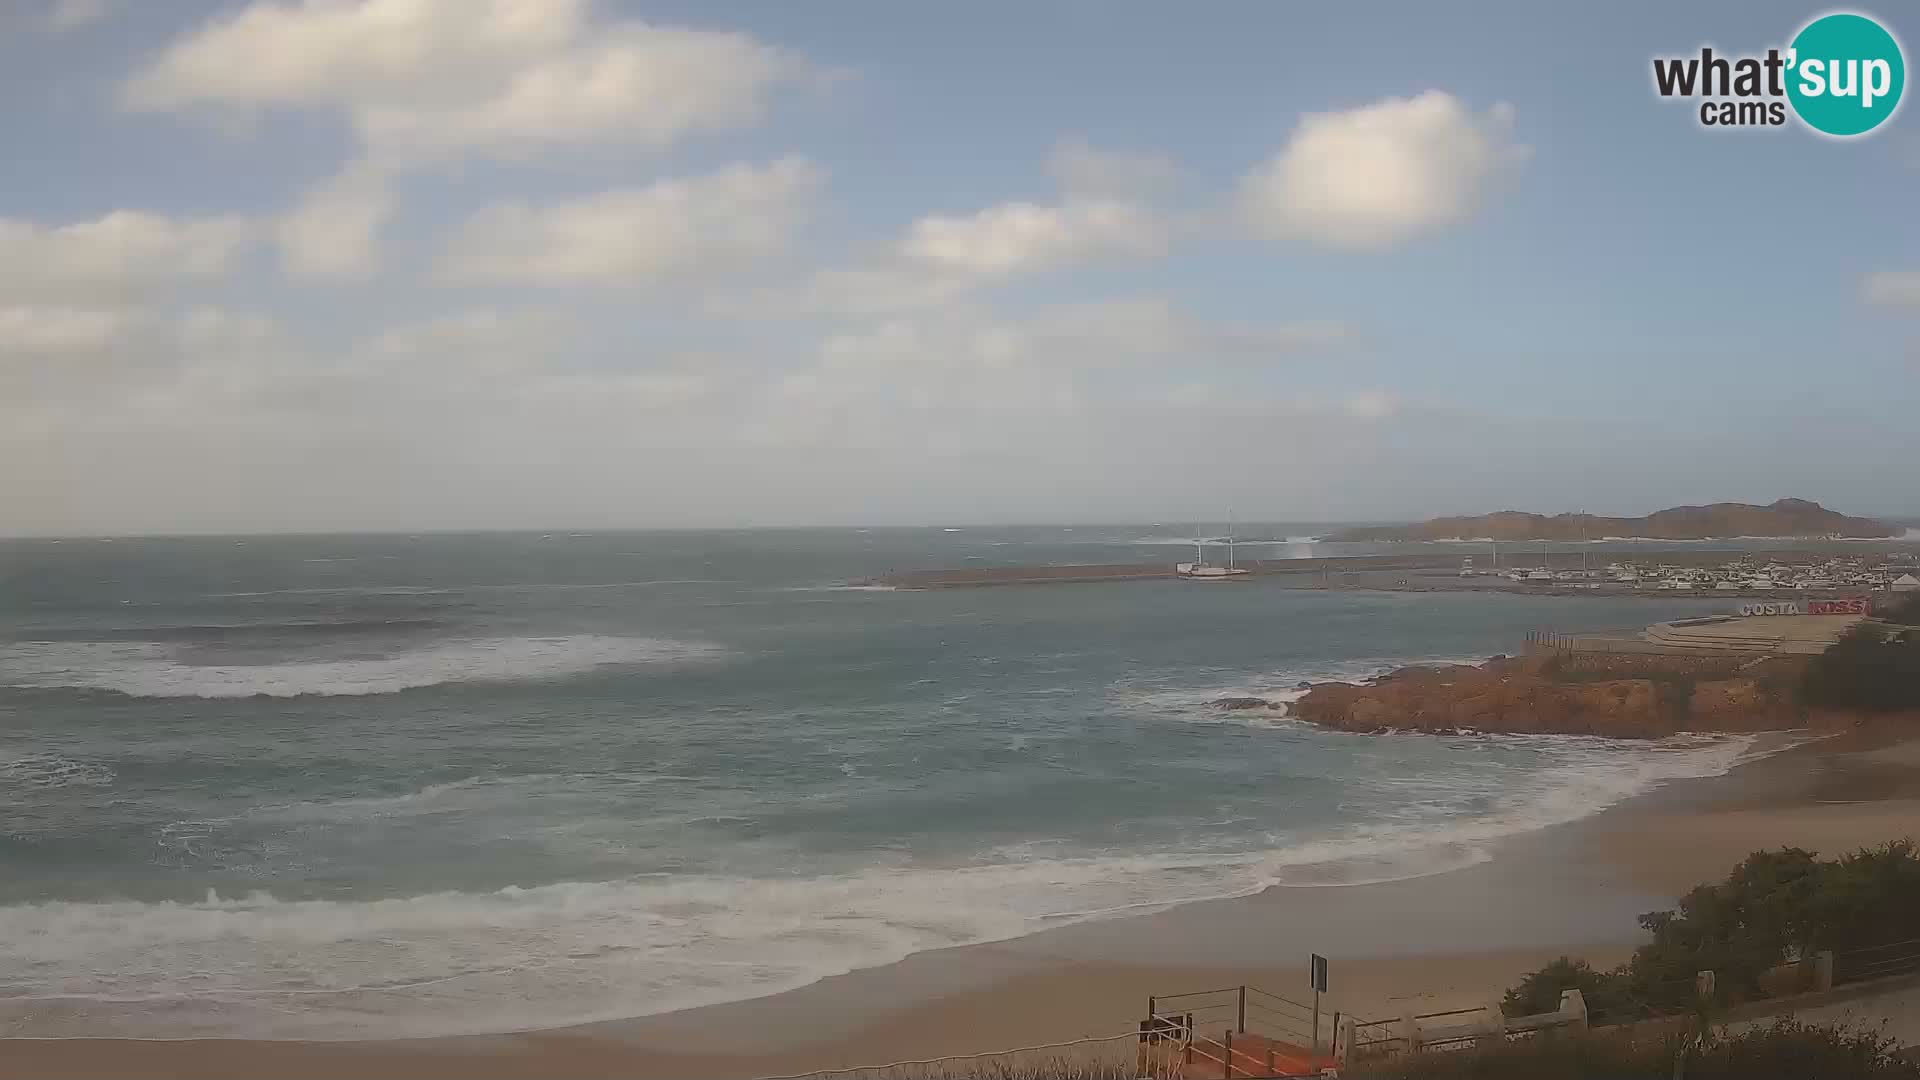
1855,606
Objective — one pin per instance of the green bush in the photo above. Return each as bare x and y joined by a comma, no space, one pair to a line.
1785,1051
1905,611
1869,669
1539,992
1763,912
1802,1052
1774,905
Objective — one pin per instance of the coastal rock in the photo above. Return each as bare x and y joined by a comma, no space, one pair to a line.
1532,696
1234,703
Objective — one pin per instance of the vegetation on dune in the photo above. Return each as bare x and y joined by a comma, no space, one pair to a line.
1785,1051
1905,611
1872,669
1775,906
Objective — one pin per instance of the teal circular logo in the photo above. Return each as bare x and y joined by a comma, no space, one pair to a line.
1845,73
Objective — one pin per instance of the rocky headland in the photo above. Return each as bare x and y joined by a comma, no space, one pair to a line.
1623,697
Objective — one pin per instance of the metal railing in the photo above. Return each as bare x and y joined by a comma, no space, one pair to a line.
1877,961
1238,1031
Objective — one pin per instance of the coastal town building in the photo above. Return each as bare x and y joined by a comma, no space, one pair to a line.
1750,573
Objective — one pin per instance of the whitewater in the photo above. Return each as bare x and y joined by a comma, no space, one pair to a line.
368,787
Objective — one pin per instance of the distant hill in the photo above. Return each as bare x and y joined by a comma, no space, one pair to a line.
1788,517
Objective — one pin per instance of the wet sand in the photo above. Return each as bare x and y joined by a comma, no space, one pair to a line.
1445,941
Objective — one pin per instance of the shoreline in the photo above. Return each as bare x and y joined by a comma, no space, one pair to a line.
1570,888
1388,572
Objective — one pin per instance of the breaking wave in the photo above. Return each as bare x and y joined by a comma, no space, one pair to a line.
574,952
52,771
159,670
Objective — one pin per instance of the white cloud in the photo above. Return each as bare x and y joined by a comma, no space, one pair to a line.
125,252
1372,177
941,258
432,81
65,15
26,331
1085,171
334,231
1019,237
647,234
1104,216
966,379
1893,288
864,291
426,79
1371,405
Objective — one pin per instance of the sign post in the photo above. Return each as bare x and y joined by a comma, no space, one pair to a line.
1319,978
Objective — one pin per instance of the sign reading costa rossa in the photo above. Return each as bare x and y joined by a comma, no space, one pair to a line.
1853,606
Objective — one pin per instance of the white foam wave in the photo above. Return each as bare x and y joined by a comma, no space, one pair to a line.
40,770
337,590
1197,704
519,958
158,670
453,795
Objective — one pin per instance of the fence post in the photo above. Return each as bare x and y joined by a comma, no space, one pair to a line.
1240,1017
1410,1031
1497,1021
1343,1041
1703,985
1226,1070
1823,970
1573,1006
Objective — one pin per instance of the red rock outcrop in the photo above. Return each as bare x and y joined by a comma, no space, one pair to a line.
1532,696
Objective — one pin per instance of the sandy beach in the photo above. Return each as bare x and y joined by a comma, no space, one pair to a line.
1443,941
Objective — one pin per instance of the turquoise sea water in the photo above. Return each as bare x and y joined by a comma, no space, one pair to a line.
384,785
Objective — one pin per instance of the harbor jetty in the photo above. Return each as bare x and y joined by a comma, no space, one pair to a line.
1700,573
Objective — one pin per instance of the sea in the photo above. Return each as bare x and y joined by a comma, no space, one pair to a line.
336,787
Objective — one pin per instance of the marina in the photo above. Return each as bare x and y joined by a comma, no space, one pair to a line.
1802,575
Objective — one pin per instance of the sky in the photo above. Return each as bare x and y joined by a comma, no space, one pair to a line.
336,265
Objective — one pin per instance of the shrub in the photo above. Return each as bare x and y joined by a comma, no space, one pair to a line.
1785,1051
1793,1051
1539,992
1869,669
1905,611
1774,905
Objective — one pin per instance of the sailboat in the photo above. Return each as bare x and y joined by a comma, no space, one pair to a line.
1199,570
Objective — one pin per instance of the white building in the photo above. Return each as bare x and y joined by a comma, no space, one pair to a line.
1904,583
